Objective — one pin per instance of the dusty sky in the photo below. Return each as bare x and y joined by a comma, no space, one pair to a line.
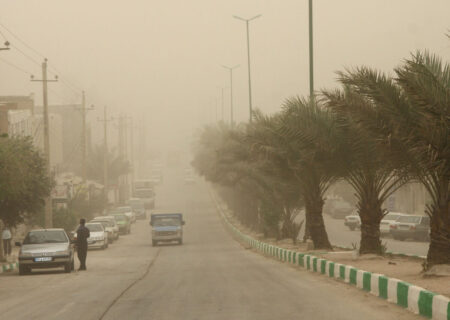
160,61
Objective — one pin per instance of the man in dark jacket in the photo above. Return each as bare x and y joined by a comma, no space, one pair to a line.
82,235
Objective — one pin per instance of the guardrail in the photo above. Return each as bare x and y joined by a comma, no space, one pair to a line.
8,266
406,295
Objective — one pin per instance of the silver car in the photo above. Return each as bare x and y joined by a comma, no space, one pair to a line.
46,248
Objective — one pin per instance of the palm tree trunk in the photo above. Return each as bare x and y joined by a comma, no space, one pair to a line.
371,214
439,250
314,221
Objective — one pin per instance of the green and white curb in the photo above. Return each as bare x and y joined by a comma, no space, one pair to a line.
9,267
406,295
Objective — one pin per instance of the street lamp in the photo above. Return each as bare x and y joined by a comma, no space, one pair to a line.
311,56
248,61
231,90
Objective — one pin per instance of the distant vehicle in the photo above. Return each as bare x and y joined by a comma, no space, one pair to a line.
98,236
189,179
353,221
411,226
123,222
138,208
147,196
128,211
112,225
167,227
46,248
341,209
157,177
387,221
143,184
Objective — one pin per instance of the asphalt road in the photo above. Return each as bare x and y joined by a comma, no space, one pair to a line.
343,236
211,276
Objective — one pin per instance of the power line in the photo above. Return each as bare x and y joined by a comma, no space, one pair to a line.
26,55
21,41
16,67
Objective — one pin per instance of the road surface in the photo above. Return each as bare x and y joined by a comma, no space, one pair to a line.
343,236
211,276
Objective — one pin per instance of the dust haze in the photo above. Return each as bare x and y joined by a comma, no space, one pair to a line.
160,61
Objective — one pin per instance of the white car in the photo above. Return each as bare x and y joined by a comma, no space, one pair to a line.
115,227
128,211
98,235
387,221
108,225
353,221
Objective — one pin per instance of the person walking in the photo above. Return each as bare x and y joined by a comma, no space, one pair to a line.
82,246
6,236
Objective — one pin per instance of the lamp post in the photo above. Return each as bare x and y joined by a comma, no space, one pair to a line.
230,69
248,61
311,56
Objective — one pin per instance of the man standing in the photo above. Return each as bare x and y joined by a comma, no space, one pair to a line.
82,246
6,236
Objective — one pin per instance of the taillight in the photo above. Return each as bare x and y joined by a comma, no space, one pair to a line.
412,228
393,226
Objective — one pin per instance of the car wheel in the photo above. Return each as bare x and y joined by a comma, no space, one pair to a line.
72,265
352,228
154,243
68,267
180,242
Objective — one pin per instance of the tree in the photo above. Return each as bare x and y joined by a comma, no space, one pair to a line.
117,166
367,168
412,120
24,182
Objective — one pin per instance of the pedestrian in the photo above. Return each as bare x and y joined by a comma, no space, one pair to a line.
82,246
6,236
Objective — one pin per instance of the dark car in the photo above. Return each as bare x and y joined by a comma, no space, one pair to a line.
411,226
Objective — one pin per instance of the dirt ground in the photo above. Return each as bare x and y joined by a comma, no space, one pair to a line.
403,268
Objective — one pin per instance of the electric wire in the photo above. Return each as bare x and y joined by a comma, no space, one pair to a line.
15,66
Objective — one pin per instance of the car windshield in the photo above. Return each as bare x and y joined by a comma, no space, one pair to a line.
144,193
94,227
391,217
46,236
124,209
409,219
136,204
120,217
105,223
166,222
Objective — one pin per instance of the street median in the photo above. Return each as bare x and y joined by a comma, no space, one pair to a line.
406,295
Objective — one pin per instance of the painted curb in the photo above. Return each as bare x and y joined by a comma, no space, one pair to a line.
406,295
9,267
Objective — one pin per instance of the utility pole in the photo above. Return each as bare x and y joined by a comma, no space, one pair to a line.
231,91
44,80
83,136
6,47
222,104
311,56
248,62
105,121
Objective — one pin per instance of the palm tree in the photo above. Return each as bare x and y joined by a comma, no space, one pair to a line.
373,178
304,136
411,120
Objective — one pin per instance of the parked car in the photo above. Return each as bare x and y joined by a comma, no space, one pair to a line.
411,226
123,222
138,208
353,221
128,211
112,225
387,221
98,236
107,225
46,248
